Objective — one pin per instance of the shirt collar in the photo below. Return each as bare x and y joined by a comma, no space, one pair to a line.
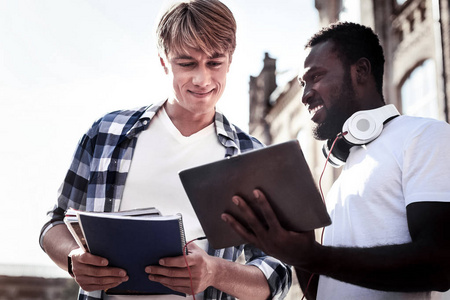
226,132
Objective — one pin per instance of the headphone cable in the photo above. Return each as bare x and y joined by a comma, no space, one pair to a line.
187,264
340,134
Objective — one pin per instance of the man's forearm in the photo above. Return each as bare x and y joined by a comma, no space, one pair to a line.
57,243
401,268
241,281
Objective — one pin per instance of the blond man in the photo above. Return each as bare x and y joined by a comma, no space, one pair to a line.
131,158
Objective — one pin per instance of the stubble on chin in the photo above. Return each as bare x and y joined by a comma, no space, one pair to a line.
330,128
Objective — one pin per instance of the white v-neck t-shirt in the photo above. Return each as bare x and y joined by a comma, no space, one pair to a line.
161,152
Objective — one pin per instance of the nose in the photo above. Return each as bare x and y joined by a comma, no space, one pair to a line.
202,76
307,94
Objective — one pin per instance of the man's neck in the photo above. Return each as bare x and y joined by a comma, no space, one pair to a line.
187,122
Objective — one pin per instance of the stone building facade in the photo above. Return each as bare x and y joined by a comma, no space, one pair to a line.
417,55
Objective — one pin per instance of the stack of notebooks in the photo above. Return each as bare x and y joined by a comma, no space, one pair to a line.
130,240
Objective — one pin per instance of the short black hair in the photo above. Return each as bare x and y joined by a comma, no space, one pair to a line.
354,41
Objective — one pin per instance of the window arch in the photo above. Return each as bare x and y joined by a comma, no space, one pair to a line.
419,91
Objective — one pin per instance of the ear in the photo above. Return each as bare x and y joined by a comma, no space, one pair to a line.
363,70
163,64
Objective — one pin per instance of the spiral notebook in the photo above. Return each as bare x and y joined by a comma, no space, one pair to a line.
132,243
73,224
280,171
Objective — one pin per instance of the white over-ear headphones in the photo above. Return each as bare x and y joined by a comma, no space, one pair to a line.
366,125
360,129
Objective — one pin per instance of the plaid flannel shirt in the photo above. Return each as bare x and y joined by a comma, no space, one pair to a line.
95,182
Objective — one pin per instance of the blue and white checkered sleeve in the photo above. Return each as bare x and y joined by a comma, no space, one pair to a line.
72,192
278,274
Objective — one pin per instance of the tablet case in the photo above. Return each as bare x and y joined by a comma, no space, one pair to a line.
280,171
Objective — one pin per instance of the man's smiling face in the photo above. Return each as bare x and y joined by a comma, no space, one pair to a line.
198,79
328,91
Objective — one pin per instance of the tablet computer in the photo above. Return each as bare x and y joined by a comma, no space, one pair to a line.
280,171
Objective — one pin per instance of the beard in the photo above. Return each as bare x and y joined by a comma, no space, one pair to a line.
332,126
344,105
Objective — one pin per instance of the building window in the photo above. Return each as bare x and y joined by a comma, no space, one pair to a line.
419,91
399,35
423,11
411,22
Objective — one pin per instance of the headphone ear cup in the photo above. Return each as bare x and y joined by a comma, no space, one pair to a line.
362,128
339,154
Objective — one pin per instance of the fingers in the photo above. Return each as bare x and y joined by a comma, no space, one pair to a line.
92,273
90,259
90,283
167,271
176,266
267,211
239,228
258,223
177,279
174,273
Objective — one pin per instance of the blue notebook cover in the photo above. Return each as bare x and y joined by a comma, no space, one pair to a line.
132,243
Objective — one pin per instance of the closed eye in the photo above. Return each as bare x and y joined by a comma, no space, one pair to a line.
316,78
186,65
215,64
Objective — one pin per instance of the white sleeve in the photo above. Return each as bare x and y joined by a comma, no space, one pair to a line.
426,172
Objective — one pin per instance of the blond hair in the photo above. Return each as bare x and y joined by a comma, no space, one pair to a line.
206,25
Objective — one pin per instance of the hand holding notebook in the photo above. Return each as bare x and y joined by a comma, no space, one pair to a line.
130,241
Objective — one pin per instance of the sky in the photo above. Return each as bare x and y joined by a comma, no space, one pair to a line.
64,63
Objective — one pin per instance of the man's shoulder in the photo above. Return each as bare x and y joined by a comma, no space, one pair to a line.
419,131
420,124
121,116
244,140
247,142
118,119
127,116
